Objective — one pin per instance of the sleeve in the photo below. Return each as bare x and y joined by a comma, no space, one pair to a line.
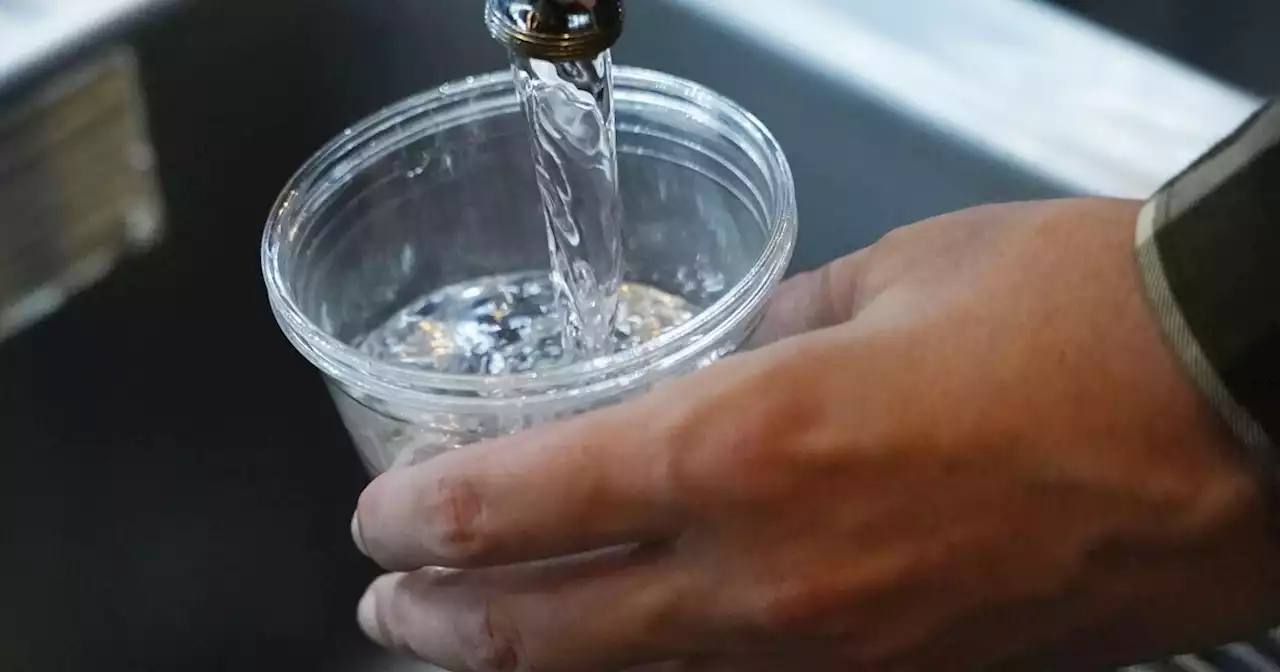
1208,247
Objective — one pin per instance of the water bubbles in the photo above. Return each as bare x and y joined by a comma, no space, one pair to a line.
702,279
509,324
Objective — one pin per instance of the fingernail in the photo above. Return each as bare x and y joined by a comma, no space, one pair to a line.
367,617
356,535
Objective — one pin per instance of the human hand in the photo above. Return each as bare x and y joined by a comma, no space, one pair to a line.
963,448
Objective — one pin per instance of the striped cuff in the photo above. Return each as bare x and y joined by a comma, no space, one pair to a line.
1208,245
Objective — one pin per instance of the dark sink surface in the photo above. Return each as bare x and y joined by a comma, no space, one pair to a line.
1233,40
175,489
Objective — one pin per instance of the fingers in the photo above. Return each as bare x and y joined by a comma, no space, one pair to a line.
811,301
609,612
594,482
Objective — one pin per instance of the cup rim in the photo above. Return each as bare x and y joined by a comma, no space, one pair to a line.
389,380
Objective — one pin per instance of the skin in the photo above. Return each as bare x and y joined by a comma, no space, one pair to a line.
963,448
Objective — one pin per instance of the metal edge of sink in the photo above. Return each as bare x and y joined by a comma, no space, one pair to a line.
36,34
1059,95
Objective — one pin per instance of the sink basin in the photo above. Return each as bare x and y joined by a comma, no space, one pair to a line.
175,488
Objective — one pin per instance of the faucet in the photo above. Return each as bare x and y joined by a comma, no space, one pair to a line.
556,30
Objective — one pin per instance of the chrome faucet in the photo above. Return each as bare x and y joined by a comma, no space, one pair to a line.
556,30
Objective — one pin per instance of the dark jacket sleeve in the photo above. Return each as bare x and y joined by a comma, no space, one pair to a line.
1208,245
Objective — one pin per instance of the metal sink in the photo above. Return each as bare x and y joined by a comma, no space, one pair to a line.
174,487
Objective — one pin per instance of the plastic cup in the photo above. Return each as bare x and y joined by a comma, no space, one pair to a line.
440,188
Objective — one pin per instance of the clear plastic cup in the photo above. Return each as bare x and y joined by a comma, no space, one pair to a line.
440,189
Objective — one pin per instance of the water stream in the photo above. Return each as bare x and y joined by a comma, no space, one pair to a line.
569,106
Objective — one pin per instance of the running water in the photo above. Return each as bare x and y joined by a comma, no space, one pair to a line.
569,106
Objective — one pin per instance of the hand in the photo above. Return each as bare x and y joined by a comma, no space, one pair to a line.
967,448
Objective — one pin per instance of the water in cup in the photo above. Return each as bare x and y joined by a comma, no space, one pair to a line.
510,324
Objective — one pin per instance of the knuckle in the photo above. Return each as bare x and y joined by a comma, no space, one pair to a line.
494,642
831,309
899,245
695,457
747,456
455,514
685,434
896,238
790,608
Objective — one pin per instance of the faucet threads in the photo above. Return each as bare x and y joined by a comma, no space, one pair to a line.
556,30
